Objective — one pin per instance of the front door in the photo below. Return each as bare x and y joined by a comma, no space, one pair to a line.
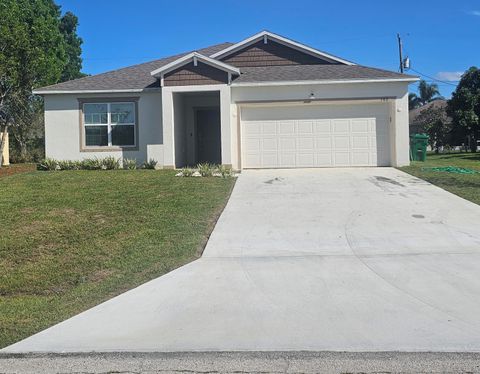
208,136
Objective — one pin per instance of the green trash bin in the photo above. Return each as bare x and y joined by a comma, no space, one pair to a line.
418,147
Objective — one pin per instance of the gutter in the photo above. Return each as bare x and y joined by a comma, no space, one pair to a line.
126,90
310,82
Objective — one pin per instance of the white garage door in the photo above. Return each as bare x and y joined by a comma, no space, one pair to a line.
315,136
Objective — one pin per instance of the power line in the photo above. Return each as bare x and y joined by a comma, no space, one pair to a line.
434,79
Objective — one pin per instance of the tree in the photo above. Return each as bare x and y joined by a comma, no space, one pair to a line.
37,48
427,93
464,106
436,124
73,47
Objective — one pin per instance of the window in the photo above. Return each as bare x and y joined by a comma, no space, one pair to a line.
109,124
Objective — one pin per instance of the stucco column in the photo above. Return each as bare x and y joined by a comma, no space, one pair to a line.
402,133
226,130
168,131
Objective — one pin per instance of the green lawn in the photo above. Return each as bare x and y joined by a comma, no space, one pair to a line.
72,239
464,185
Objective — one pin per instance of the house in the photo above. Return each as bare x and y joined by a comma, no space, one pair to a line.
264,102
414,114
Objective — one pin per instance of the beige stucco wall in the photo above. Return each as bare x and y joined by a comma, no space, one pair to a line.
6,150
62,127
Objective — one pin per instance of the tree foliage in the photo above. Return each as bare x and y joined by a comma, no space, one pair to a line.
73,47
464,106
38,47
436,124
426,93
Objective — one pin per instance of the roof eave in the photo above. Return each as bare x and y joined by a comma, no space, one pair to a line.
323,81
93,91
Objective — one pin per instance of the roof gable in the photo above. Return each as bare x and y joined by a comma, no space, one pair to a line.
199,74
267,36
271,54
194,57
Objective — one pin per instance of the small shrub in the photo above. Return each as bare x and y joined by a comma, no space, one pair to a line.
187,172
225,171
69,165
91,164
129,163
150,164
110,163
48,164
206,169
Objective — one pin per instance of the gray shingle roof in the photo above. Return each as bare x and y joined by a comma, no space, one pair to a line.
132,77
314,72
138,77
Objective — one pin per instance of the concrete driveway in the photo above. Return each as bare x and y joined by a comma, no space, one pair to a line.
328,259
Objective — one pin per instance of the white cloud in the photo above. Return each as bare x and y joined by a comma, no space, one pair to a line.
475,13
449,76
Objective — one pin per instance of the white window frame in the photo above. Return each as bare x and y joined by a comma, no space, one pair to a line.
109,124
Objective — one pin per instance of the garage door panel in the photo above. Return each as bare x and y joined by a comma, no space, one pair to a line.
305,160
286,128
360,141
305,143
270,144
360,126
269,128
341,142
252,128
305,127
361,158
287,159
324,159
323,143
252,144
342,158
288,144
315,136
341,126
270,159
323,127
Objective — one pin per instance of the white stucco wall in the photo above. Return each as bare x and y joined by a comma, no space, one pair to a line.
157,130
395,92
62,127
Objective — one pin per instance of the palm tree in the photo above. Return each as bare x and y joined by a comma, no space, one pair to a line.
427,93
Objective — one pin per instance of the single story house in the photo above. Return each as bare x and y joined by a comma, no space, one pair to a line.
264,102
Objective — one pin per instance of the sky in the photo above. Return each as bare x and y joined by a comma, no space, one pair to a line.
441,38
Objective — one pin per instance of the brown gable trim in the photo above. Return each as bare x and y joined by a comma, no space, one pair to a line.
191,75
271,54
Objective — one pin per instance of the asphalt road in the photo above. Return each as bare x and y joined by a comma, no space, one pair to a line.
242,362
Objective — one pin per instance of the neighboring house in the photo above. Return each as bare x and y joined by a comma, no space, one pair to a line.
415,126
265,102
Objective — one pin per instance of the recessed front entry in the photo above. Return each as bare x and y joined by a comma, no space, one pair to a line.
207,122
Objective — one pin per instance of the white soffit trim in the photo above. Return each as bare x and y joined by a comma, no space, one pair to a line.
282,40
194,56
312,82
46,92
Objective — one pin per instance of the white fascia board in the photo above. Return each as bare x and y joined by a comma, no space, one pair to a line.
52,92
194,55
312,82
281,40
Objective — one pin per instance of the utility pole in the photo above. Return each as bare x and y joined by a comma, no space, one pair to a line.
400,52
